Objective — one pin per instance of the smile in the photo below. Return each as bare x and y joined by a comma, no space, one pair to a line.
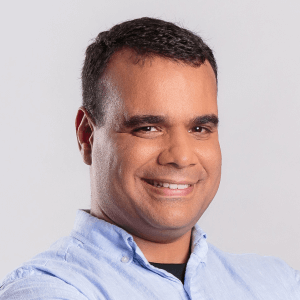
168,189
171,186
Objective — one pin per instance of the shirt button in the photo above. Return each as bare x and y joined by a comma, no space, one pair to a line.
125,259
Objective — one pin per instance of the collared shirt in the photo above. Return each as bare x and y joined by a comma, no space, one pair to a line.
101,261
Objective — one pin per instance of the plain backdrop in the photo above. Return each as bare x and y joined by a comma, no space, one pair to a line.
43,178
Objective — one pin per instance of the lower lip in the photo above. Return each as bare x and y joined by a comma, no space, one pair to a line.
169,192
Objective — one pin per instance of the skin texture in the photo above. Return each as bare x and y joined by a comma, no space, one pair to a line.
173,150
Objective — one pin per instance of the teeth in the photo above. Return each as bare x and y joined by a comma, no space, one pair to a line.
182,186
171,186
156,184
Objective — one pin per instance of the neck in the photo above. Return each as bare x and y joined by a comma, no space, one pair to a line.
177,252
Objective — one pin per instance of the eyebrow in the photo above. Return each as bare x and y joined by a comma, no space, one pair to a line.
140,120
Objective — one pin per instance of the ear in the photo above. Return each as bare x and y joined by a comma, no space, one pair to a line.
85,128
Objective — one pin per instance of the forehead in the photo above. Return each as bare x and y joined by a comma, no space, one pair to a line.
158,86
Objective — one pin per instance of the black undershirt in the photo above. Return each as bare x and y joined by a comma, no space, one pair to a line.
178,270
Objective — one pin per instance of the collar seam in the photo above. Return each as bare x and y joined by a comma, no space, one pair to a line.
78,236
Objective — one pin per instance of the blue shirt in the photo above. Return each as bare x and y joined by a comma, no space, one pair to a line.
101,261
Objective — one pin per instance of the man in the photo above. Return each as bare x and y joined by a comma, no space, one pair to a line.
148,129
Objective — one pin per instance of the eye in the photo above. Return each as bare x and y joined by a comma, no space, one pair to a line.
200,129
145,129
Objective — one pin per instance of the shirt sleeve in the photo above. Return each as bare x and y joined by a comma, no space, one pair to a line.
37,287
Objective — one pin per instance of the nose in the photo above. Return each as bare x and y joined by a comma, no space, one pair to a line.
178,150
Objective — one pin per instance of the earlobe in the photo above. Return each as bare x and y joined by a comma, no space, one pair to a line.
84,131
86,153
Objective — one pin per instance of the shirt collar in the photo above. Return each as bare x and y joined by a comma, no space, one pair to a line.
199,244
107,236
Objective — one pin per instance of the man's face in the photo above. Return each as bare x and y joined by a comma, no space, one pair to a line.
160,129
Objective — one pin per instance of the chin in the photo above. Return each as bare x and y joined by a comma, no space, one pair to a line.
172,221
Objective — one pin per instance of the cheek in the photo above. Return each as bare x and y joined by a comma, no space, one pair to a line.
104,159
133,154
211,158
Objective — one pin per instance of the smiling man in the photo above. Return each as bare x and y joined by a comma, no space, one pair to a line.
156,162
148,129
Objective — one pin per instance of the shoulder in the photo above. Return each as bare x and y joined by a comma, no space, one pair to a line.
43,277
248,260
254,268
31,285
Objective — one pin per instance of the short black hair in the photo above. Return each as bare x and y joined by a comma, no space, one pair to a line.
148,37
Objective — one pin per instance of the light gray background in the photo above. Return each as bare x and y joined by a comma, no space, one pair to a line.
43,179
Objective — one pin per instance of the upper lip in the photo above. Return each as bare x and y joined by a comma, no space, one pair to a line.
170,181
